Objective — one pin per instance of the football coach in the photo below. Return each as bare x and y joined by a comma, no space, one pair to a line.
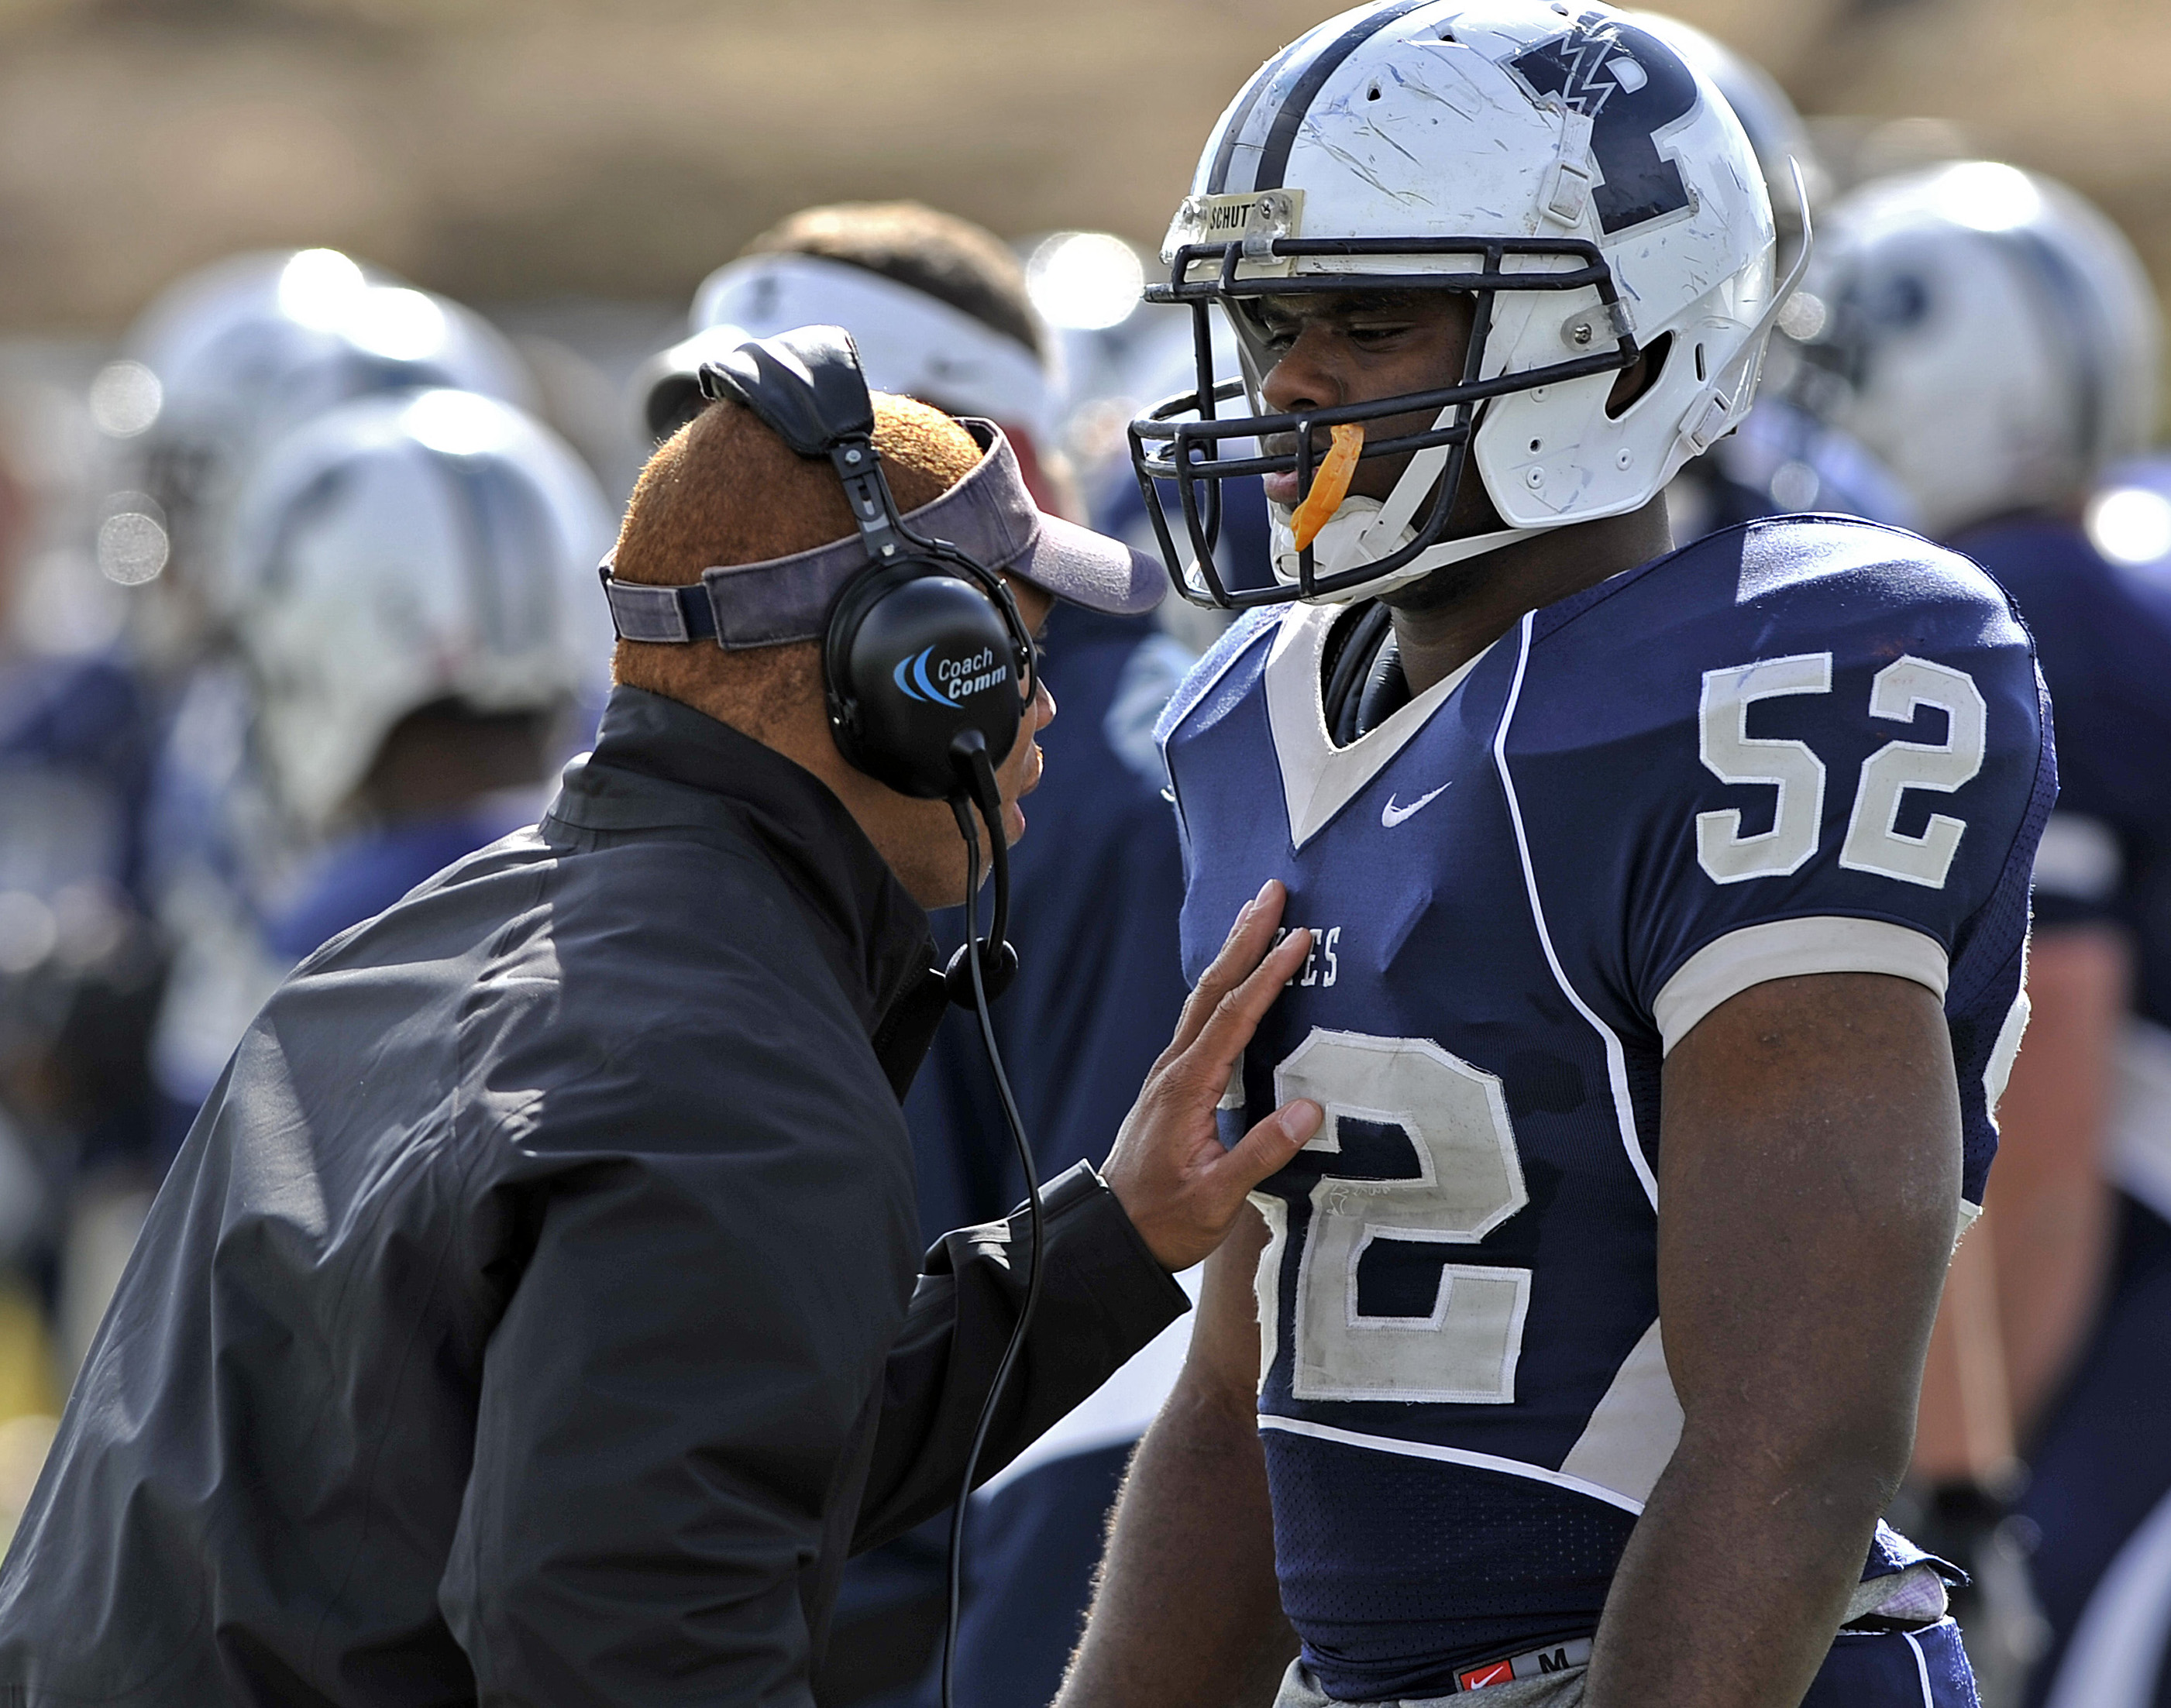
534,1314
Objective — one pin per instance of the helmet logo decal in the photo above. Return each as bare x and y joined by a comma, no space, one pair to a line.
1631,86
954,679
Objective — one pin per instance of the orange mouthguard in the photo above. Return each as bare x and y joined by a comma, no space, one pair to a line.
1330,485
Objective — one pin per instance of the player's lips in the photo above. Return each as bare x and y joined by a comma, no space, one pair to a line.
1285,488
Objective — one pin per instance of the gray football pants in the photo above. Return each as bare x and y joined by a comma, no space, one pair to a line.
1554,1690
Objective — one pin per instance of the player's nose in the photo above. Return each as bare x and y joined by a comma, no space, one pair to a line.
1305,378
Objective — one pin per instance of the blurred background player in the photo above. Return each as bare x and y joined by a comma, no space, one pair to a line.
1990,338
940,311
223,366
227,361
80,963
412,594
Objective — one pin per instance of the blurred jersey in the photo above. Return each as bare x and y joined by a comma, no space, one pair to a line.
1799,747
2100,1489
1781,461
79,969
358,877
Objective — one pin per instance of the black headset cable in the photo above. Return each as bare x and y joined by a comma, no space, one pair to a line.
974,956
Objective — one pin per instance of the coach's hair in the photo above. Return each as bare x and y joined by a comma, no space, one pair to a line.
725,489
949,259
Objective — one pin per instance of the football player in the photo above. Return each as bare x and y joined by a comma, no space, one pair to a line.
1667,913
226,362
1919,276
221,365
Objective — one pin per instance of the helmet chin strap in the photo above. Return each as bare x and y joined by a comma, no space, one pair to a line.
1364,530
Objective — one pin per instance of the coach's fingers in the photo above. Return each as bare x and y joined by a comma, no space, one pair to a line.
1236,1015
1194,1224
1266,1149
1250,936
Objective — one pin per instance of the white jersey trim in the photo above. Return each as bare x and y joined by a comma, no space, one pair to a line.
1786,949
1922,1670
1631,1435
1319,779
1452,1455
1616,1059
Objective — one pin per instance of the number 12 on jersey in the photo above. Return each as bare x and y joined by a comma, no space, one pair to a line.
1418,1151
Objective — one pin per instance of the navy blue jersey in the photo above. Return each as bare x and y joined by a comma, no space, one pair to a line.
2103,635
75,750
1801,746
360,875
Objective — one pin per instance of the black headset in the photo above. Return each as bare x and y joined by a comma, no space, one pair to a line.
926,665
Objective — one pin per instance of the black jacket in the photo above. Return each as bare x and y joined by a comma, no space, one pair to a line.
532,1315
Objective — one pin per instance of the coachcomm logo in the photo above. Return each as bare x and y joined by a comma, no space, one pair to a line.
954,679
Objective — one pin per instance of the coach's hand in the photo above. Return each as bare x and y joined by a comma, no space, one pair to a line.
1181,1190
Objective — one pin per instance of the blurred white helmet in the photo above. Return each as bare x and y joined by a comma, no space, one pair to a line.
405,550
1987,333
1568,168
2128,516
910,343
232,357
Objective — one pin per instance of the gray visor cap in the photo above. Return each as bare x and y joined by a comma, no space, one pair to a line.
988,516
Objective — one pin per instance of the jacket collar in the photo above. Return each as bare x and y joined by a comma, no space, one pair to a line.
873,934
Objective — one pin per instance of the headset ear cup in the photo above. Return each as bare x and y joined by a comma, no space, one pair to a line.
914,654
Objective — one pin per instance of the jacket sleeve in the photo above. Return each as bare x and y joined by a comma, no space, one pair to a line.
1103,1296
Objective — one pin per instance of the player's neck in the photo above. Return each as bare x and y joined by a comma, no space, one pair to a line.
1449,618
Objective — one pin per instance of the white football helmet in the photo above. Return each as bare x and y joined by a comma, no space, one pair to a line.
404,549
1567,167
1986,332
232,357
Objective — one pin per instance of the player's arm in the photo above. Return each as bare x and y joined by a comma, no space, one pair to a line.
2053,1203
1808,1172
1186,1612
2033,1284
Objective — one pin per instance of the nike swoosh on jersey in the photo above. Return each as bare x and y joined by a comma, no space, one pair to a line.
1391,815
